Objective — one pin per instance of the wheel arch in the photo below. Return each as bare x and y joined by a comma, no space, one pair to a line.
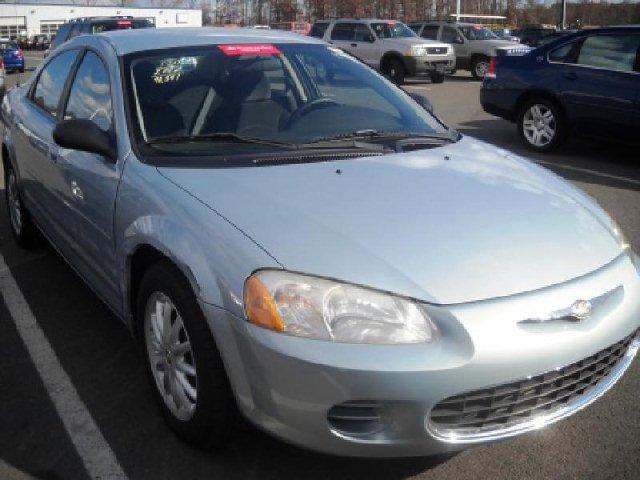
386,58
138,261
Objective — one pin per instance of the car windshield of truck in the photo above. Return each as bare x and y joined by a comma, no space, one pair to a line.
226,99
478,32
392,29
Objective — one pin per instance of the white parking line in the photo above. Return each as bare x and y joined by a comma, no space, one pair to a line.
586,170
97,457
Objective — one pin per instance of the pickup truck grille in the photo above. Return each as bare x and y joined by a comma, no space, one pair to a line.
504,406
437,50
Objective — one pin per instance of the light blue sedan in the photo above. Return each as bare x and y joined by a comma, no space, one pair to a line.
291,237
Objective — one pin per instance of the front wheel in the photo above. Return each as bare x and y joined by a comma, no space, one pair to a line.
395,71
479,67
541,125
437,77
182,360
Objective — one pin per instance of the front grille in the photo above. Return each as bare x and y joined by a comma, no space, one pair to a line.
510,404
437,50
356,418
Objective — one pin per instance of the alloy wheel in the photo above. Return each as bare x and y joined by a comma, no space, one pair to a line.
170,356
481,68
14,204
539,125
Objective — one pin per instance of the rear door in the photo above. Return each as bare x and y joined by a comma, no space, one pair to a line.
599,85
343,35
36,117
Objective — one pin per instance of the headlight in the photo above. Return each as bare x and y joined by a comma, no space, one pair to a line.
312,307
416,51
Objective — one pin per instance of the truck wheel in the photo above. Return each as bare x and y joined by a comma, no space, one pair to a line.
395,71
479,67
437,77
541,125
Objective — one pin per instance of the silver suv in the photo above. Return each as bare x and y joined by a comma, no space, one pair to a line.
389,46
474,44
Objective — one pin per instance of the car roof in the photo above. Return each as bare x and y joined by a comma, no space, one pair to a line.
136,40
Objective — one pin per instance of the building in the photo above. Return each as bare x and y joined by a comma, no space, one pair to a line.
24,19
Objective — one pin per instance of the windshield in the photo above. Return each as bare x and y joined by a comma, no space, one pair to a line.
285,94
8,46
477,32
392,29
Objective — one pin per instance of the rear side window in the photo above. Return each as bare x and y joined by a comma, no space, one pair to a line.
51,81
612,52
90,94
318,29
61,36
343,31
362,34
430,32
562,54
449,34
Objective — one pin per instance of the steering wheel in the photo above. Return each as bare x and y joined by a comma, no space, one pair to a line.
322,102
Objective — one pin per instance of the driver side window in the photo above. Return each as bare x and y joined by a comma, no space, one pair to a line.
90,94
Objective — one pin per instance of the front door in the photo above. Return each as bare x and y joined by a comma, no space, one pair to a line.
91,181
452,35
600,86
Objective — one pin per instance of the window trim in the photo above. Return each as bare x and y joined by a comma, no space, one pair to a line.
66,91
579,41
36,80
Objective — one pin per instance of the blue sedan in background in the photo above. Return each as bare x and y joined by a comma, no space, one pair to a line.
12,56
587,84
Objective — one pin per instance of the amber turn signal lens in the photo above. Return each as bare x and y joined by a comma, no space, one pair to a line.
260,307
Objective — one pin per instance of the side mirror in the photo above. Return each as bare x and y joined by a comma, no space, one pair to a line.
371,38
86,136
421,100
459,39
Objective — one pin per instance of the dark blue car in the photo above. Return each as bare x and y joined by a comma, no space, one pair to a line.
587,84
12,56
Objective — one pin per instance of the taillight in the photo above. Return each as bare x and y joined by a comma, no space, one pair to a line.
1,63
491,71
19,53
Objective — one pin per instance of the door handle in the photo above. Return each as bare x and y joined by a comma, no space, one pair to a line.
354,44
571,76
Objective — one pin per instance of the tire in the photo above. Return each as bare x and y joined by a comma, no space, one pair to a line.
22,227
395,70
479,67
437,77
541,125
206,419
22,70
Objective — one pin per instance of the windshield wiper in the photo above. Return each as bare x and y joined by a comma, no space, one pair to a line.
371,134
218,136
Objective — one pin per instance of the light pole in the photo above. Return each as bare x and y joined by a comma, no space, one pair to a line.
564,14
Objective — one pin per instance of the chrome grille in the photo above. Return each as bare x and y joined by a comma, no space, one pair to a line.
437,50
505,406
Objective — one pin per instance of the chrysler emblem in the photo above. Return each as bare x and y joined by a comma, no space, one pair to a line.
581,309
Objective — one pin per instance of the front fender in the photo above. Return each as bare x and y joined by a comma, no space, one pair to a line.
213,254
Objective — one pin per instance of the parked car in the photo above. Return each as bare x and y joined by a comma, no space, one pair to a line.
474,44
288,234
301,28
587,84
12,56
506,34
532,35
91,25
41,42
388,46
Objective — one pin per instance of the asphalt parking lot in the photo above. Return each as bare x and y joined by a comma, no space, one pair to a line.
102,363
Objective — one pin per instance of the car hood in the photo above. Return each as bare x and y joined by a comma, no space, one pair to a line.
403,43
445,225
498,44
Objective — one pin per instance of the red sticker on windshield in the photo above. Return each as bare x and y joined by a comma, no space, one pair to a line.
477,27
250,49
124,22
391,23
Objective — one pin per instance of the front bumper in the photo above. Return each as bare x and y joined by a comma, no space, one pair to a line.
318,394
429,64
